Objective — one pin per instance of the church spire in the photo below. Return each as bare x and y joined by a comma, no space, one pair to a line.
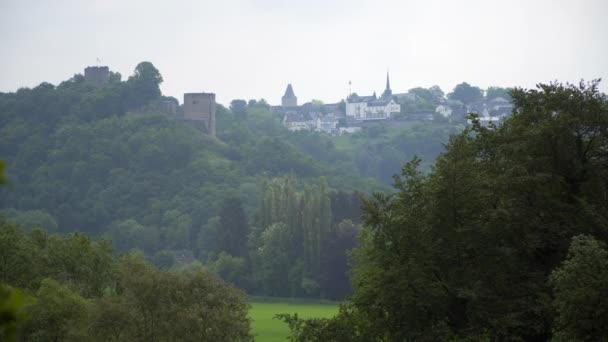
387,92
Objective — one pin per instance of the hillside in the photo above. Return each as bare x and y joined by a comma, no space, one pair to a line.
110,161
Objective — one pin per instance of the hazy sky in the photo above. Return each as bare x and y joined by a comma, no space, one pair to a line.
253,48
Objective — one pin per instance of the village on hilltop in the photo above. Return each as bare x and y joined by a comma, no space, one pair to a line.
396,110
347,116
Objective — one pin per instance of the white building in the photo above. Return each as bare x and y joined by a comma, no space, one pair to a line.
295,121
327,124
444,110
371,108
362,109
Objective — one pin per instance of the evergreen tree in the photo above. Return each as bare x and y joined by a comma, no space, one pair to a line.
234,229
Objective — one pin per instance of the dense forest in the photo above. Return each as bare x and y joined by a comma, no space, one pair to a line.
108,161
71,288
119,221
504,240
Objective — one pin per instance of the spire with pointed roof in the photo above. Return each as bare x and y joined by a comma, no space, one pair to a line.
289,91
387,92
388,83
289,99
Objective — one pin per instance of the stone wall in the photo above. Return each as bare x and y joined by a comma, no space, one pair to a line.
200,108
97,75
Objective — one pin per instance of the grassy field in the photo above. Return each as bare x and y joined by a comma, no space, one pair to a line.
267,329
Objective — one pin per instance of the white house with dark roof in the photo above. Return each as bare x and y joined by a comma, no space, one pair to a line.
299,121
363,108
327,124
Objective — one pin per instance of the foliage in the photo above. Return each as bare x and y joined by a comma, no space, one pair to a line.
168,305
75,155
580,285
145,84
59,314
465,251
29,219
230,268
425,100
380,154
466,93
107,161
12,312
80,292
2,165
495,92
233,229
266,327
164,260
301,251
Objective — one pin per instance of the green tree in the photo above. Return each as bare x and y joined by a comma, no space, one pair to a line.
176,229
2,179
495,92
111,319
164,260
144,84
580,285
207,238
466,93
187,306
58,314
272,260
239,107
334,278
464,252
438,94
80,262
230,268
29,219
19,262
12,312
130,234
234,229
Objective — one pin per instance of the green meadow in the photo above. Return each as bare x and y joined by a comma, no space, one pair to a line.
268,329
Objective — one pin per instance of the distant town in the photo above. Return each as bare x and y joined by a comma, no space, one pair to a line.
353,113
357,111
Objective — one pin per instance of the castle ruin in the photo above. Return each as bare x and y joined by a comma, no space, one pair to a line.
199,109
97,75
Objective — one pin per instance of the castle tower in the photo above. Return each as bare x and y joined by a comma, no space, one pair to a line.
289,99
199,108
97,75
387,92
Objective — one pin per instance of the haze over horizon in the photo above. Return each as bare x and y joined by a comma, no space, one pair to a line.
254,48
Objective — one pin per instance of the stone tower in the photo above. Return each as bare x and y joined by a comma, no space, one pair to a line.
97,75
289,99
199,108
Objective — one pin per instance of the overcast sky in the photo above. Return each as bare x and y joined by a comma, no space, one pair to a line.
253,48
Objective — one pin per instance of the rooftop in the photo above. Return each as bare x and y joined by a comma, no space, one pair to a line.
289,91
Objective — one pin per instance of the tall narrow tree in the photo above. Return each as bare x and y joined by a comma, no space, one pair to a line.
234,229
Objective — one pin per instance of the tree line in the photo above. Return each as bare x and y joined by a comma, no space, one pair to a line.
106,161
504,240
72,288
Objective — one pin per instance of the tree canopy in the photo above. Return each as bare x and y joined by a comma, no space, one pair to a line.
466,93
80,291
477,248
